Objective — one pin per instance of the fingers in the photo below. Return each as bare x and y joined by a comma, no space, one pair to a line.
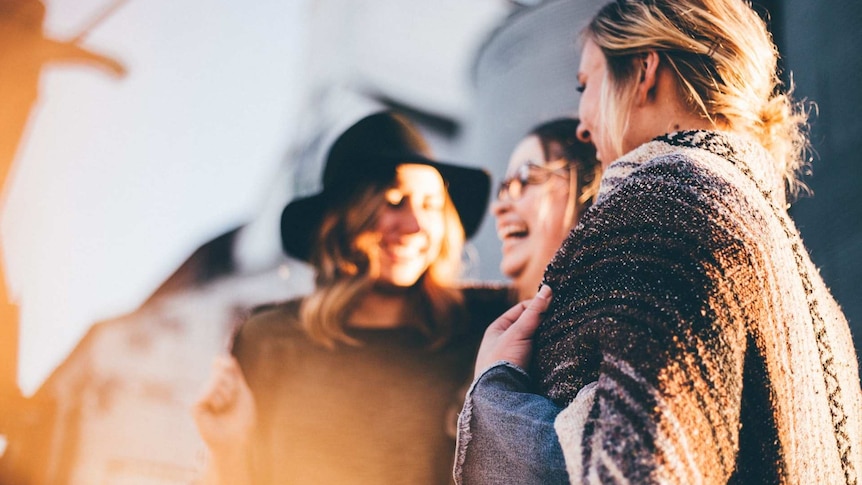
504,321
221,390
228,366
509,338
542,299
528,321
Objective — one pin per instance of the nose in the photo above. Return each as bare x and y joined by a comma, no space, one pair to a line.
500,205
583,134
408,220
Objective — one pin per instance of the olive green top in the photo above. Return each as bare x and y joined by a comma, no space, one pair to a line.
383,412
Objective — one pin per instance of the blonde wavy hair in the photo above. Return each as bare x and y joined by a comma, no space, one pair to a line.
725,64
345,273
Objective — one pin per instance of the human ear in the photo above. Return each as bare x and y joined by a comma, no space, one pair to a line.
648,78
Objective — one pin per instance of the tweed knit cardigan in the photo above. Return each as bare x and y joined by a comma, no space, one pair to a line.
690,337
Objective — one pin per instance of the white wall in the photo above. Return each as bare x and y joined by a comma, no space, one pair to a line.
118,181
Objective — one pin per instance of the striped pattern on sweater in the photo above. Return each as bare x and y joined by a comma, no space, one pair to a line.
718,354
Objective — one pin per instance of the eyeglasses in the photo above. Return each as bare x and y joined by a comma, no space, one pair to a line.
530,173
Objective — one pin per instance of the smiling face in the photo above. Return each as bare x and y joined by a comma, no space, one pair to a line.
534,226
410,226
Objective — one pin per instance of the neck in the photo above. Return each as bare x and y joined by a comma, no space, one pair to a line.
381,309
688,122
664,111
526,285
673,116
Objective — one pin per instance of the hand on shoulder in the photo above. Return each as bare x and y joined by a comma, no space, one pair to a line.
510,337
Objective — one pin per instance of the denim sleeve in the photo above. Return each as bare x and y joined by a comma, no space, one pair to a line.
506,433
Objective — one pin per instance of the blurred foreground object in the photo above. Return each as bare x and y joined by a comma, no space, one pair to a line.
24,50
116,410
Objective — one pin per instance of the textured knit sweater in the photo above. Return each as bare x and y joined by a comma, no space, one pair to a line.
382,412
690,336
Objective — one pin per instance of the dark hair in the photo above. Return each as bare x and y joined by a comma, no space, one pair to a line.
559,140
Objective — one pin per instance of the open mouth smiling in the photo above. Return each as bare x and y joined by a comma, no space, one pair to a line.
517,231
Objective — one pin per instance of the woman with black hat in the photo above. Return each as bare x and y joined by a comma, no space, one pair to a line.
358,381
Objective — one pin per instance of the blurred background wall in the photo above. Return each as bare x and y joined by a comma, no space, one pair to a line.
140,221
817,39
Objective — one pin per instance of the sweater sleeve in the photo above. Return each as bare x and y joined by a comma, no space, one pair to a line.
647,292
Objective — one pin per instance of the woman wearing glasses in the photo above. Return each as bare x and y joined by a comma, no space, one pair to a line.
552,179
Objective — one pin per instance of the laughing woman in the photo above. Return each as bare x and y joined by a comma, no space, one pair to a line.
553,177
356,382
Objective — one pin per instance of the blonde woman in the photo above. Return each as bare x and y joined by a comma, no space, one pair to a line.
355,382
689,337
552,179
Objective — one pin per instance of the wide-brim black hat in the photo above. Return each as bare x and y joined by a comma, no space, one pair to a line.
368,153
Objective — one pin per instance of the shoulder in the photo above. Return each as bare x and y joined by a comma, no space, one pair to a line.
484,294
675,171
485,290
270,337
677,211
486,301
690,167
271,321
673,191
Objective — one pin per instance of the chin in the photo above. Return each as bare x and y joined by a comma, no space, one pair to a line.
393,285
512,267
512,276
402,280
